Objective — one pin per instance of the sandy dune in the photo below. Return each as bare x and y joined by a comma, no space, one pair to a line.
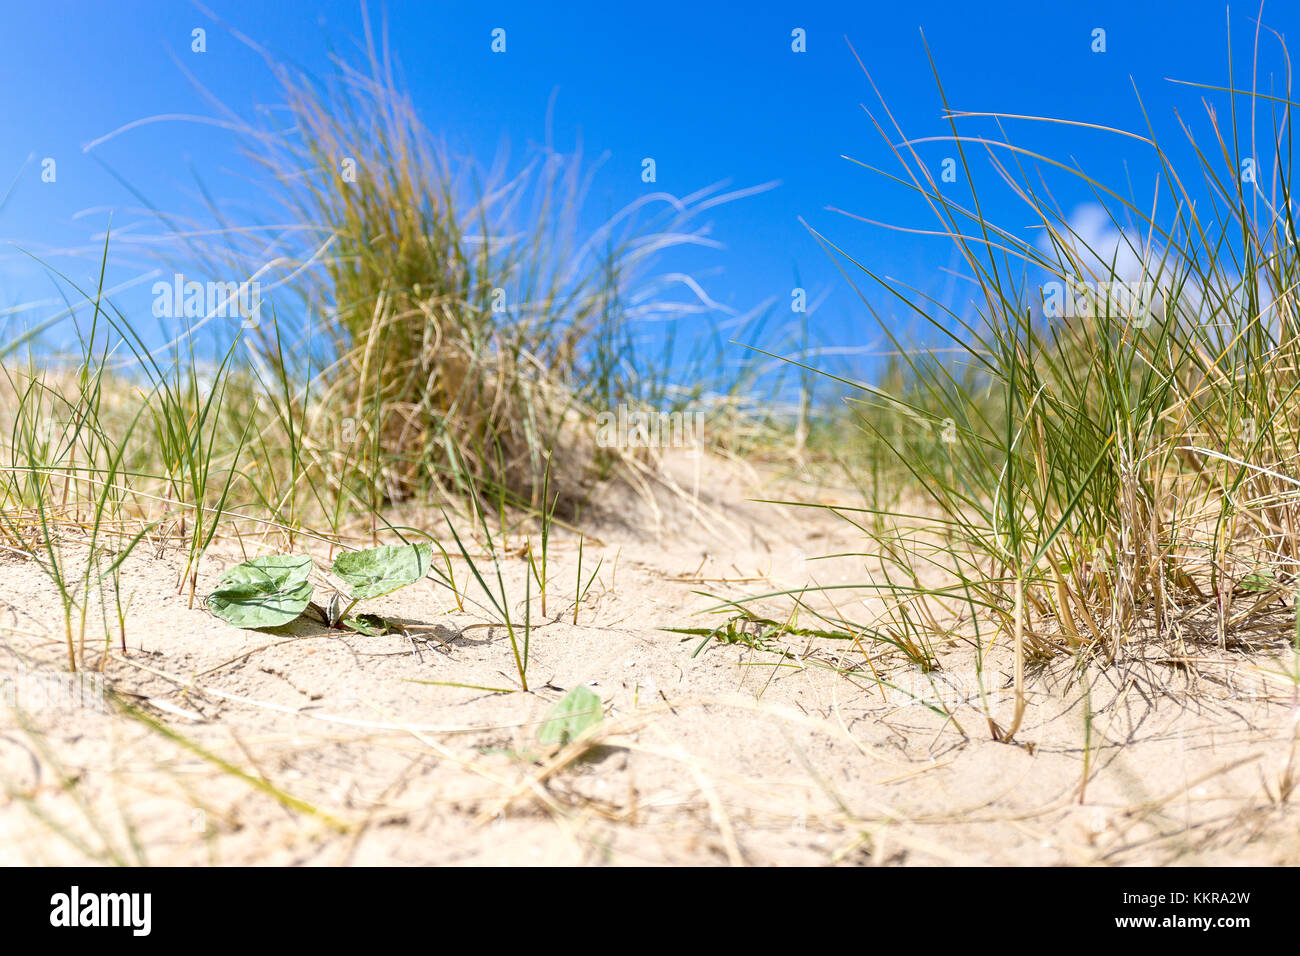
304,746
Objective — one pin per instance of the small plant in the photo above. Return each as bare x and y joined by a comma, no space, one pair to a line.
570,716
538,567
580,592
275,590
519,648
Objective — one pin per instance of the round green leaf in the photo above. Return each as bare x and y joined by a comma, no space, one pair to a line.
569,716
381,570
263,592
1262,580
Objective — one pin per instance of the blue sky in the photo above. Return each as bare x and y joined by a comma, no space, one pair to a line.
710,92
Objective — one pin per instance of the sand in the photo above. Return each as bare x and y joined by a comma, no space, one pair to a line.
305,746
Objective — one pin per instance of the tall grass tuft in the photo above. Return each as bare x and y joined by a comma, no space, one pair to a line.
477,320
1110,460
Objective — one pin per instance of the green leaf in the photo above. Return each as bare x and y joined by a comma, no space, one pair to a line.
382,570
263,592
372,625
570,716
1259,581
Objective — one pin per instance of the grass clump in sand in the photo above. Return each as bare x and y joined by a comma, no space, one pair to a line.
1110,459
478,320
